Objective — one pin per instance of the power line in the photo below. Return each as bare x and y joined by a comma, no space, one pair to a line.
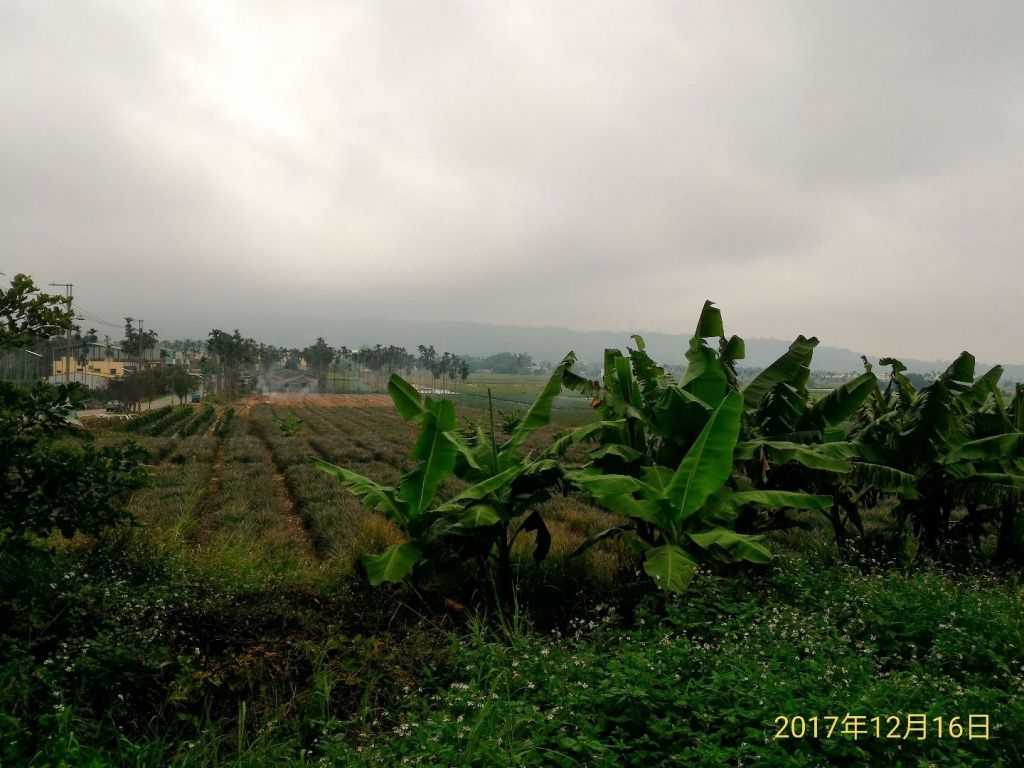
96,318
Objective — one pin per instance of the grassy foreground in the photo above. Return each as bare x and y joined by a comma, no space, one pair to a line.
142,665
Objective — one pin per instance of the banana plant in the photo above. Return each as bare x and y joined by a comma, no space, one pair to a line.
792,442
952,453
648,418
505,485
655,418
681,518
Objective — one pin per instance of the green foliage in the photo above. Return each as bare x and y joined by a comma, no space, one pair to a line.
165,421
791,442
503,362
684,518
143,421
130,390
666,452
226,423
319,356
117,657
702,680
476,523
199,422
231,353
289,425
951,453
179,382
51,484
135,341
230,648
26,314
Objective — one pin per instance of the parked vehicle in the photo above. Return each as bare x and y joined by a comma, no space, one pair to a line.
115,406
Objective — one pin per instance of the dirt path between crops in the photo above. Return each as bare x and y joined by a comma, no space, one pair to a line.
211,496
284,502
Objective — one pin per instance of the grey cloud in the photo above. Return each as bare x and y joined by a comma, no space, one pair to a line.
833,168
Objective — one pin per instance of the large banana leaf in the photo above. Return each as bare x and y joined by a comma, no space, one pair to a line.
374,495
995,448
651,376
680,415
617,493
733,350
478,491
410,406
624,452
671,567
960,370
1004,479
657,477
734,545
708,464
611,381
582,434
600,485
538,416
436,452
781,410
932,426
480,515
780,451
841,403
628,389
576,383
780,500
793,367
981,390
408,402
705,376
393,564
885,478
709,324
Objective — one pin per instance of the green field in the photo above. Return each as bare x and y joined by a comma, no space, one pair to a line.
231,626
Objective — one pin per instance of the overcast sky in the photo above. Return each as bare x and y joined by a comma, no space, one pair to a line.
852,170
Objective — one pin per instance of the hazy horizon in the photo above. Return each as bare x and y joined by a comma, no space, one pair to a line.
842,170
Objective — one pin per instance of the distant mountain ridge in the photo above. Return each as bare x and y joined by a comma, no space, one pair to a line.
552,343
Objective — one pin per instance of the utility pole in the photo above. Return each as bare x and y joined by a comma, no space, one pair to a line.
67,360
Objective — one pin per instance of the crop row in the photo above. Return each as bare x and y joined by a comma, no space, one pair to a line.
198,423
376,443
142,421
171,505
246,530
340,528
161,422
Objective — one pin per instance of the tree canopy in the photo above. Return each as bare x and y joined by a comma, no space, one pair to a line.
27,314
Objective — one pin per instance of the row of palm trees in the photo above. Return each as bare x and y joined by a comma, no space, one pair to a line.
433,370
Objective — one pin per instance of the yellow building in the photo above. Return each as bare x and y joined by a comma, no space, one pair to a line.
108,369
